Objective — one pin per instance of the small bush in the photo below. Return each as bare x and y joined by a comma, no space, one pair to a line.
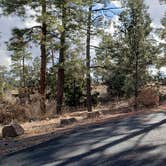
5,117
148,97
13,113
19,112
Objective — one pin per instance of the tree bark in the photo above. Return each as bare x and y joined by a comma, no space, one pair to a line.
52,57
23,71
74,93
20,73
136,82
88,59
62,52
43,58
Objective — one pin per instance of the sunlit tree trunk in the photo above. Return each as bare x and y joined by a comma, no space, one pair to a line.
88,59
62,52
23,71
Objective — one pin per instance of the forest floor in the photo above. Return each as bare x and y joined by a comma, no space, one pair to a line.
40,131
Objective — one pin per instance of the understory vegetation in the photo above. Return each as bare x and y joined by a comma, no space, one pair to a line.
80,64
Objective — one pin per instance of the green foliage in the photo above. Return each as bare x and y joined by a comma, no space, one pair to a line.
51,81
74,87
74,92
116,82
20,55
121,60
1,86
137,29
33,79
162,35
127,55
3,80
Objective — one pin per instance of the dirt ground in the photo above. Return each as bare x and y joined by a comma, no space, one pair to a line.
41,131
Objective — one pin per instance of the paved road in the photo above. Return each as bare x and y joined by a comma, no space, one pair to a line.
139,140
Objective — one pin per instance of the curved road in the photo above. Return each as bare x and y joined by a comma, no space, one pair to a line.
139,140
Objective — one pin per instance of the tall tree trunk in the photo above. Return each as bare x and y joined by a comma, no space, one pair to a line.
136,82
88,59
43,58
74,93
62,52
52,57
23,71
20,73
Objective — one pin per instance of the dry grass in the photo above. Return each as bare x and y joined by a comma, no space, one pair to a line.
13,111
148,97
42,130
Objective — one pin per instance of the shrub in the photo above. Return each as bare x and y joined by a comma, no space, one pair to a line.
13,113
148,97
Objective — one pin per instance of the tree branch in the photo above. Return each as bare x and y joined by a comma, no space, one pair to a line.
98,66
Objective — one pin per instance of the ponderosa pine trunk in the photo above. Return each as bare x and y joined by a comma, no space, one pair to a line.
62,52
52,57
136,82
43,58
88,59
23,71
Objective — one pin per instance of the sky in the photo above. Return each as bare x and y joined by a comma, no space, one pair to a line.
155,10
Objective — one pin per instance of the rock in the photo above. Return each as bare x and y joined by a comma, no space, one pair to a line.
12,130
69,121
92,115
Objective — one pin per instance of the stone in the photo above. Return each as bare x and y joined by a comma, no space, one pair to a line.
92,115
12,130
69,121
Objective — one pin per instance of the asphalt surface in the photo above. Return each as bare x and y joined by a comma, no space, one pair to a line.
139,140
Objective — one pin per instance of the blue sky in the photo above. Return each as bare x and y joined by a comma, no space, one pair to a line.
7,23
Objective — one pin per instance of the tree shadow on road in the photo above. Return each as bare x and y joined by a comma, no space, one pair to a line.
87,146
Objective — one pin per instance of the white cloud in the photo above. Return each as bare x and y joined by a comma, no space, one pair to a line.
30,20
117,3
4,59
156,11
7,23
163,69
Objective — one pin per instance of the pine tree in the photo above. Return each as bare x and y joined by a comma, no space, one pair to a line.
163,34
136,28
127,55
62,55
110,64
19,46
90,23
33,77
162,46
68,30
1,82
44,17
88,58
